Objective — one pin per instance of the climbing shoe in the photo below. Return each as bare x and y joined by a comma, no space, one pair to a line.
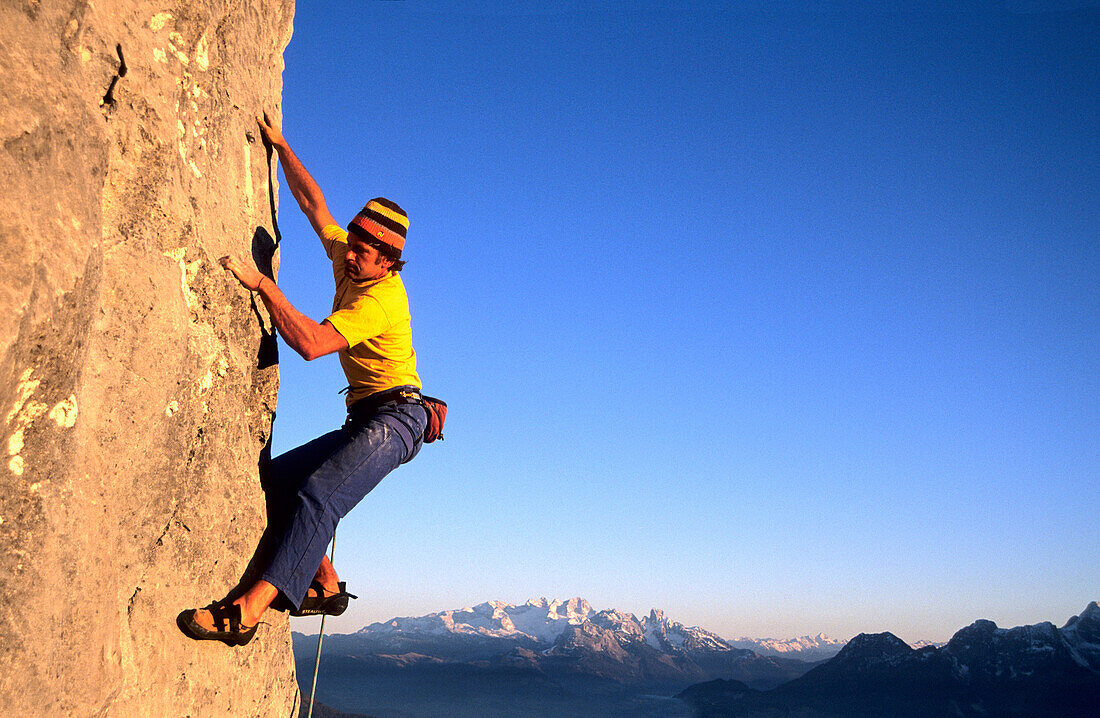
227,620
331,605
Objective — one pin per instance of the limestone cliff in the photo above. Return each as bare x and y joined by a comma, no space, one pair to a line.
138,381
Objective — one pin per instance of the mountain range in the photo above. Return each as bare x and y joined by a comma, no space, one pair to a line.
1035,670
570,637
563,658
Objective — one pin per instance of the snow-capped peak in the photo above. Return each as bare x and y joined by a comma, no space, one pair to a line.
540,620
667,635
543,621
794,645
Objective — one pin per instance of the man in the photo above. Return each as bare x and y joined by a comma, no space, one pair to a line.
370,330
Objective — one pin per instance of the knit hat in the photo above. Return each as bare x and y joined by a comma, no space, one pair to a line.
382,221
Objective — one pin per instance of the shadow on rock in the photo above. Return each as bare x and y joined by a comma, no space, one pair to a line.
263,254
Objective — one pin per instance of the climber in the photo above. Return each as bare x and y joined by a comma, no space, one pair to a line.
322,480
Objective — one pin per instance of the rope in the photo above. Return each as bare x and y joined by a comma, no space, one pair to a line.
320,638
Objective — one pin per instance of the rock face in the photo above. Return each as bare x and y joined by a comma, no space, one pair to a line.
138,380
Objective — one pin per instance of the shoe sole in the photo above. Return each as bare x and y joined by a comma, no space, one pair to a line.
334,606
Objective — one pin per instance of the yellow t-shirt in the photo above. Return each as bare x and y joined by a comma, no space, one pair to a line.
374,319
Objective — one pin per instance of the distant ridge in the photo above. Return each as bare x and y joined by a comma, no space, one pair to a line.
1033,671
804,648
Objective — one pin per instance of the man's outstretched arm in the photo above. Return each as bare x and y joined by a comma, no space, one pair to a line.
301,333
302,186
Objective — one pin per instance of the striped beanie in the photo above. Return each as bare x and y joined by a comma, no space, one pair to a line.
382,221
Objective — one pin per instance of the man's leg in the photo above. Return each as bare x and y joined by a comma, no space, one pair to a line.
281,478
357,463
370,451
326,576
253,602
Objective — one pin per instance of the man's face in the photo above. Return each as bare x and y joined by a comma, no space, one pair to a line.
363,262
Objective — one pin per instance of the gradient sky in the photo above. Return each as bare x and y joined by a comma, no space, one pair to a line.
782,322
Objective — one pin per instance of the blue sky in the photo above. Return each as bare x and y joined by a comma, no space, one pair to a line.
783,322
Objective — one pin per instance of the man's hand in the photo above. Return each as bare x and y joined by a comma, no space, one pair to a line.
302,186
304,335
247,275
271,133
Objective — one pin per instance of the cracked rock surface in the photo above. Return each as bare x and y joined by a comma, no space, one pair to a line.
138,380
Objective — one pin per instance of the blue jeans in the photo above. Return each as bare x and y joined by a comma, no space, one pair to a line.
312,487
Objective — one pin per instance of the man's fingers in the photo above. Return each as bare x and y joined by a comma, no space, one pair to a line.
268,130
231,264
241,271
